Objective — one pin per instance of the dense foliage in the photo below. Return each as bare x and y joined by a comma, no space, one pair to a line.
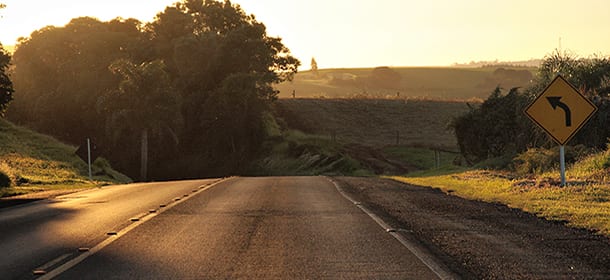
6,86
187,90
499,128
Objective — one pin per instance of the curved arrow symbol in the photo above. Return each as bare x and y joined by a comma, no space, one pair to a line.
556,102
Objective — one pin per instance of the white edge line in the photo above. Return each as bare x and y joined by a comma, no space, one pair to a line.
428,260
53,262
73,262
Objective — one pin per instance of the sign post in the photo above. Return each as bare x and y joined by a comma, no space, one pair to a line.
87,151
562,164
561,110
89,158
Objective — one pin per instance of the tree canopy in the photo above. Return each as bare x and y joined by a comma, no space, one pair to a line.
196,81
6,86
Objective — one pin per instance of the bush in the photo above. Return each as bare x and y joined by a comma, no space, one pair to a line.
536,160
5,181
540,160
497,128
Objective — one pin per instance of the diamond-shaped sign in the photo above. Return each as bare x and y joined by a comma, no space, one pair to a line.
561,110
82,152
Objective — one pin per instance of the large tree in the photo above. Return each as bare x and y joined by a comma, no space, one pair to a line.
223,64
60,72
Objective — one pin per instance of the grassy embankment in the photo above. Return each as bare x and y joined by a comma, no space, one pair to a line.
35,163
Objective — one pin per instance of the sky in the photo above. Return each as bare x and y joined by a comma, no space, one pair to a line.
365,33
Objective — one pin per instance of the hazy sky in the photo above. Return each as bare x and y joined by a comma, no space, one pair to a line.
365,33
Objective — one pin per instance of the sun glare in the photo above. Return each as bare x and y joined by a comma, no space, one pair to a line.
355,33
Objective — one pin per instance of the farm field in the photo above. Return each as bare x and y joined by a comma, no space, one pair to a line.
375,122
420,82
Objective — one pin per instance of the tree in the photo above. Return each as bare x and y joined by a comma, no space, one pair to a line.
61,72
314,67
143,102
385,77
192,85
223,64
6,86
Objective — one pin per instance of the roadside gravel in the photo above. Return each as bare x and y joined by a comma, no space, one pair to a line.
480,240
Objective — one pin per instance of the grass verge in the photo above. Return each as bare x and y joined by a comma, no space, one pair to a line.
582,204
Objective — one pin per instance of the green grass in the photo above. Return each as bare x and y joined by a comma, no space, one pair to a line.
422,158
36,162
584,203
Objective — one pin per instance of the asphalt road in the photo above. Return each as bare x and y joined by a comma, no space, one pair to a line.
42,235
248,228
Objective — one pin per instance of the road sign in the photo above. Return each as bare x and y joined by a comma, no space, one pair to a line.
83,153
561,110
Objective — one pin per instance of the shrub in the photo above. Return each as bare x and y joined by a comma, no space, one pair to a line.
495,129
540,160
5,181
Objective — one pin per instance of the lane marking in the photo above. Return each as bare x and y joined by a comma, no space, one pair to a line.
440,270
43,268
73,262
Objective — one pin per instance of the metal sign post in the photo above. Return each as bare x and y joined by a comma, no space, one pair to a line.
89,158
562,164
87,151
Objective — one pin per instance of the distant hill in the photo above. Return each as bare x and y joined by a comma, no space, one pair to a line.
34,162
429,82
524,63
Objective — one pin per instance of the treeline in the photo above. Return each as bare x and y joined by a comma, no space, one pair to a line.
182,96
499,132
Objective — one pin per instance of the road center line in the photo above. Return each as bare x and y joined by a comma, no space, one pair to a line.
73,262
440,270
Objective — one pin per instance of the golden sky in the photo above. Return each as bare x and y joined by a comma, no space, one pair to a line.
364,33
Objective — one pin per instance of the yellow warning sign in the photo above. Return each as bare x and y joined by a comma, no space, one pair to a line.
560,110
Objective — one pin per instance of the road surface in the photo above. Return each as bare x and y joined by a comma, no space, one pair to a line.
39,234
248,228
